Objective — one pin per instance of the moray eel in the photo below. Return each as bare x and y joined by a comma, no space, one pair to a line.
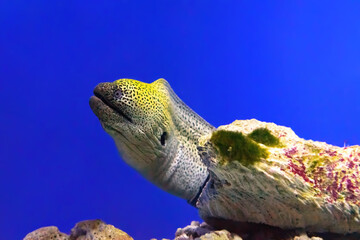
248,172
155,132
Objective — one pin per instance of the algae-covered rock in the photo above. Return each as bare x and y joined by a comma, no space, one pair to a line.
298,184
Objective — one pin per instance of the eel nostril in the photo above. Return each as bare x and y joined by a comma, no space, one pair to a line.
118,94
99,89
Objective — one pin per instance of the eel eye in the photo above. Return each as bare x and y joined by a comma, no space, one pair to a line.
163,138
118,94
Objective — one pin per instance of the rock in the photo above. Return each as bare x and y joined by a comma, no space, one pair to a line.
46,233
193,231
203,231
220,235
85,230
97,230
286,183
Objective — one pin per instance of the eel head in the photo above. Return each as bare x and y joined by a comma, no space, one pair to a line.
136,115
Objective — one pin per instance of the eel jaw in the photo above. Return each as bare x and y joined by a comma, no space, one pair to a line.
104,110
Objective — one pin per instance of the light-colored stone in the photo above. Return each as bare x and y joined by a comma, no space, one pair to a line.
197,231
206,232
302,184
46,233
85,230
220,235
97,230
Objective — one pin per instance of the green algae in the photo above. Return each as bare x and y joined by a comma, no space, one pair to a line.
312,148
264,136
235,146
314,164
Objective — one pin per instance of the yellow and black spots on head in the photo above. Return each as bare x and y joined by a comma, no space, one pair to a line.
143,101
136,115
136,101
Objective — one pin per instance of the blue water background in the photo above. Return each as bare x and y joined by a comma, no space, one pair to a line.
295,63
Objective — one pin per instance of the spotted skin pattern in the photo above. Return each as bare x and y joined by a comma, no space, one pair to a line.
155,132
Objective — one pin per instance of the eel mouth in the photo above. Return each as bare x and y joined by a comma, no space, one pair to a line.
98,103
